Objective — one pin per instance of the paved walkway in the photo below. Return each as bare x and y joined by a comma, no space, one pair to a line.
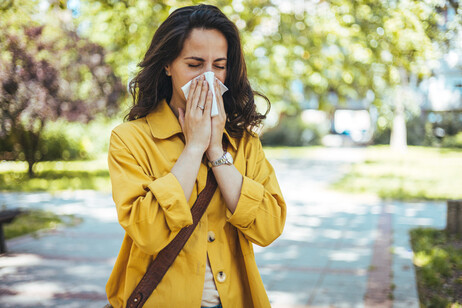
337,250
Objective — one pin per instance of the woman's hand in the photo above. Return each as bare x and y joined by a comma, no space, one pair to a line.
195,120
215,148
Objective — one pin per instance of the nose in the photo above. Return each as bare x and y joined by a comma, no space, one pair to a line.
208,67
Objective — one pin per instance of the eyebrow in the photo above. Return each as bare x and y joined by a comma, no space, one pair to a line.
202,60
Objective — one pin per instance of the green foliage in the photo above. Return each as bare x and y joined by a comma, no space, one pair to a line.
444,129
75,141
48,72
420,174
340,47
415,130
32,221
438,262
63,140
291,131
382,135
56,145
452,141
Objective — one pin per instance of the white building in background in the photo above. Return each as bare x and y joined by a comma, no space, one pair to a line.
348,125
444,90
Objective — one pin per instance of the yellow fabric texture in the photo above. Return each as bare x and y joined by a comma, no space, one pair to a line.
152,209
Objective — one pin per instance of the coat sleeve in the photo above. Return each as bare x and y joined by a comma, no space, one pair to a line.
261,210
151,210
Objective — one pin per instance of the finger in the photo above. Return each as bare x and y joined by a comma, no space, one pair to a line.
221,107
192,89
203,95
181,117
197,94
208,102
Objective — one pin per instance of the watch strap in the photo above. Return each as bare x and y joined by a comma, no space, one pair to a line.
220,161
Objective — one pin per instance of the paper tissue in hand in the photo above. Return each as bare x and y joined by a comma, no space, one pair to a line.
210,77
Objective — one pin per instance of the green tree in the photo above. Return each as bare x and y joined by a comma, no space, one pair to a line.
48,72
339,50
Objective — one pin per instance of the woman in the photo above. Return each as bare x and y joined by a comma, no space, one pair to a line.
158,163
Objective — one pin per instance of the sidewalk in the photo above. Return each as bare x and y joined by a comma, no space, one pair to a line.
337,250
341,250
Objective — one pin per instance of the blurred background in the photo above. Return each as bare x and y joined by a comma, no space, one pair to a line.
367,90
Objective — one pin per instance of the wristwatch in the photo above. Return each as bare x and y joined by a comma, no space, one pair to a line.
225,159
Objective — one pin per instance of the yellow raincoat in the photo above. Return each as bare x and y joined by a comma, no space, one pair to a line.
152,209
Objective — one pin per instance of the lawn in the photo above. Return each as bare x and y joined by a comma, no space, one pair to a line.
438,263
32,221
419,174
55,176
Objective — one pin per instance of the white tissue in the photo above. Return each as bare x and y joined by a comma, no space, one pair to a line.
210,77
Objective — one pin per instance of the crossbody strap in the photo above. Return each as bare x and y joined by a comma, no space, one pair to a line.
157,269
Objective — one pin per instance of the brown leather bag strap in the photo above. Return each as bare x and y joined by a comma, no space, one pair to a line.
166,256
157,269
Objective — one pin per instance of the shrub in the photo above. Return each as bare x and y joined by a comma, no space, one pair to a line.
452,141
292,131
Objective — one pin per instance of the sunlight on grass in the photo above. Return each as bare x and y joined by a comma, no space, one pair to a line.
55,176
32,221
419,174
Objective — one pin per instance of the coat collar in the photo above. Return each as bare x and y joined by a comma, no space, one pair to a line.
164,124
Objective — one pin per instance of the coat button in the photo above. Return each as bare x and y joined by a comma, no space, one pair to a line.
221,277
211,236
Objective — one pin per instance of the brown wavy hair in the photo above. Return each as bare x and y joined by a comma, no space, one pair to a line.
151,85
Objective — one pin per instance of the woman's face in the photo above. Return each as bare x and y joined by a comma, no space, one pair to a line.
204,50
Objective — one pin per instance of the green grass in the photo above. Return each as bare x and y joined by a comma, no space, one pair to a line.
32,221
55,176
438,263
418,174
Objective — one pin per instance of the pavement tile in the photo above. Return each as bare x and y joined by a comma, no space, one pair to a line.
346,285
334,298
294,256
405,304
350,258
296,282
280,299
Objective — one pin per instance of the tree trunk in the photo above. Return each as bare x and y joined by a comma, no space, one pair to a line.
31,170
398,138
29,141
454,217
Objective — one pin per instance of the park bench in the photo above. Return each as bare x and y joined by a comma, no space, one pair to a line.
6,216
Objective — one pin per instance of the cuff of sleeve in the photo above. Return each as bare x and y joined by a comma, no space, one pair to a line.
249,201
169,194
